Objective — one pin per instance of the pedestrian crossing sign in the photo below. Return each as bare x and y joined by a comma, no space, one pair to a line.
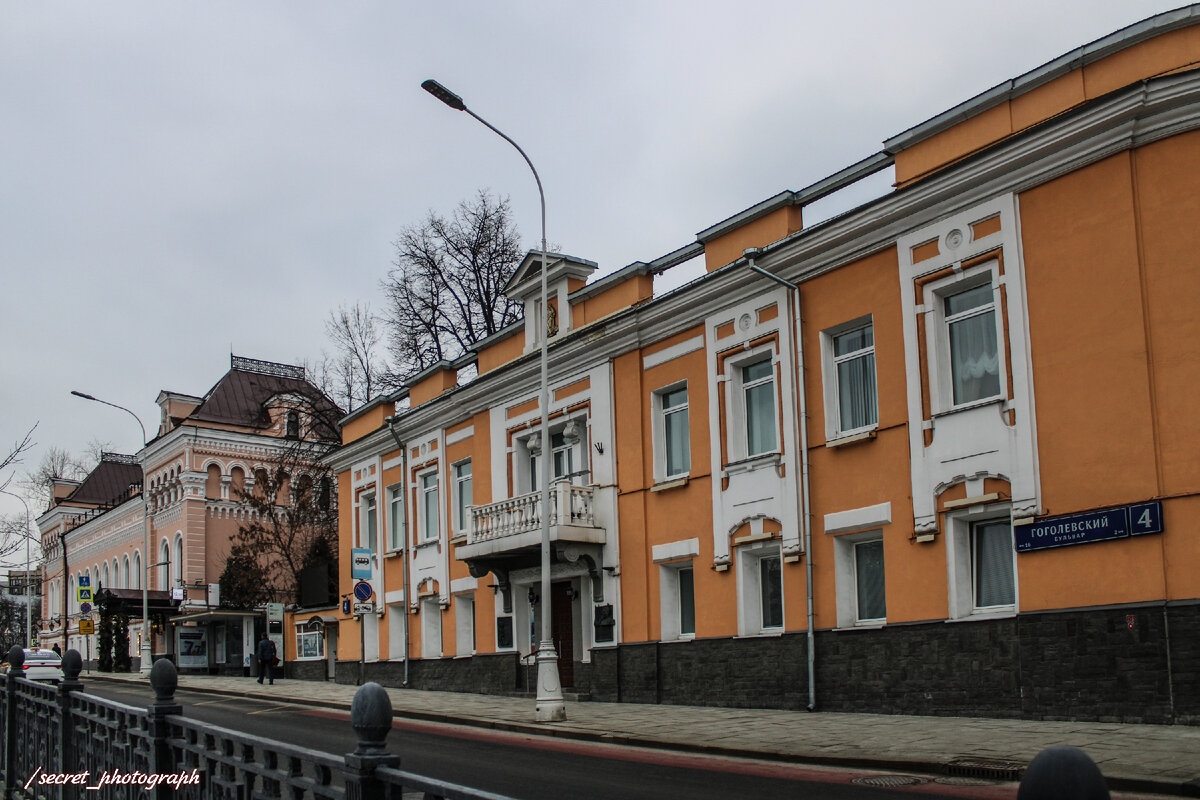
85,594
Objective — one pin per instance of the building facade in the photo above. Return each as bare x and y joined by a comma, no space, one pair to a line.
207,456
934,455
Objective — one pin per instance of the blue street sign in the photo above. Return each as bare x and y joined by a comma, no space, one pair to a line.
360,562
363,590
1145,518
85,580
345,605
1101,525
85,608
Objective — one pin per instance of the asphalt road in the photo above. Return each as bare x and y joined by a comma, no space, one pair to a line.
526,766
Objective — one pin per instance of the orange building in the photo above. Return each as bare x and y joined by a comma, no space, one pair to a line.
936,454
208,449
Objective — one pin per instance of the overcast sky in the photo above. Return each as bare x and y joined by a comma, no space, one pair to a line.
179,180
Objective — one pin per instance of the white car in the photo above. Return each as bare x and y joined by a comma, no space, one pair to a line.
41,665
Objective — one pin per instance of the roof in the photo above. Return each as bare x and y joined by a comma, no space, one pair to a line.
109,483
241,397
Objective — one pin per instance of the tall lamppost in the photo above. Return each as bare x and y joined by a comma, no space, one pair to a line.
550,706
28,569
144,667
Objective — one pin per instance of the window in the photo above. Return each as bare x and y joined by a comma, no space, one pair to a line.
982,561
137,571
395,522
992,564
462,496
760,590
974,357
430,528
368,527
869,594
310,644
431,628
464,624
292,430
678,600
758,387
177,561
562,449
853,380
672,448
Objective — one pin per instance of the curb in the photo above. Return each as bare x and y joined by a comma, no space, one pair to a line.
1187,789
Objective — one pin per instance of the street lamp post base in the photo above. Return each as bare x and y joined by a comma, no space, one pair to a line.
550,706
144,667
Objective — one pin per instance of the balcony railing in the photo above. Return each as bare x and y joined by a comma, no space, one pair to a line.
569,506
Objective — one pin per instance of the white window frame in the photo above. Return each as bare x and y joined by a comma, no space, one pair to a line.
832,384
431,628
368,507
738,418
845,556
750,589
430,529
960,559
937,334
660,419
462,510
318,636
671,600
396,522
464,624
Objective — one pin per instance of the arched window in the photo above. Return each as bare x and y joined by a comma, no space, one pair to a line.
164,565
212,486
293,425
116,574
137,570
104,582
70,594
177,560
125,584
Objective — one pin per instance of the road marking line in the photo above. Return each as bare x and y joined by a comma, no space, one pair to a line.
269,710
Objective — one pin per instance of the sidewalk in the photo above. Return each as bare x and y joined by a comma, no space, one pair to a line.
1147,758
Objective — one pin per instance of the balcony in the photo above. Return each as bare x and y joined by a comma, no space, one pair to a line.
515,524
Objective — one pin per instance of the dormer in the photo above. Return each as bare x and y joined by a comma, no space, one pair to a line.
565,275
61,489
174,408
290,415
431,382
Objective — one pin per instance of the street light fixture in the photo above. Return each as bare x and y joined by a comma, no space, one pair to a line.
550,706
28,569
145,652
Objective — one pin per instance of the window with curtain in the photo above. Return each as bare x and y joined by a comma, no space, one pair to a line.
869,580
369,528
854,360
992,563
687,602
974,355
676,448
758,385
462,495
395,530
771,588
430,527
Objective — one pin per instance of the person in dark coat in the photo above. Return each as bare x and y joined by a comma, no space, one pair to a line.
266,657
57,650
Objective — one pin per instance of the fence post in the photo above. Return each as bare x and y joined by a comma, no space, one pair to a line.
16,660
371,716
72,665
165,679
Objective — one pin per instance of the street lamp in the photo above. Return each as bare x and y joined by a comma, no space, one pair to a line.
145,653
28,569
550,706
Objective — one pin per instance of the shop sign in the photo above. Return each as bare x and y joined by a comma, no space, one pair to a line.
1102,525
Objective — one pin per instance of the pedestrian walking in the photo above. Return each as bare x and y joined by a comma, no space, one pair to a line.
266,659
57,650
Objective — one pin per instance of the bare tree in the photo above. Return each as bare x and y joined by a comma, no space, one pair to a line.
13,533
13,456
56,463
355,367
445,291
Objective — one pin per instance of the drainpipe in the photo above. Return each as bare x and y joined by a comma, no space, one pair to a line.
750,255
391,423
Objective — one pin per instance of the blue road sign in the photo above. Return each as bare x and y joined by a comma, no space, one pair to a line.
363,591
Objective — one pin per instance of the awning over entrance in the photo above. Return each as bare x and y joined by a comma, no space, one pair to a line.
129,601
207,617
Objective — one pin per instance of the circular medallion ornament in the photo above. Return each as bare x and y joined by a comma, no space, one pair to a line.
744,322
953,239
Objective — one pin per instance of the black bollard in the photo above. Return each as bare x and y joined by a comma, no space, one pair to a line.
1063,773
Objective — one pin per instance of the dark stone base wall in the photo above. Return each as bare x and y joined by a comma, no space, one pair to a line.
1110,665
306,670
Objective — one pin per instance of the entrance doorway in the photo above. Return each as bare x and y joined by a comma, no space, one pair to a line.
563,631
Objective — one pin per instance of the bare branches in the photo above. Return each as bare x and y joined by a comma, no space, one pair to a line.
445,291
13,456
56,463
354,370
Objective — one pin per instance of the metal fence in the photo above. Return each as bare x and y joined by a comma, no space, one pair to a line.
56,734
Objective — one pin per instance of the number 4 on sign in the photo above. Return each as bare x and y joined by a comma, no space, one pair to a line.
1146,518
